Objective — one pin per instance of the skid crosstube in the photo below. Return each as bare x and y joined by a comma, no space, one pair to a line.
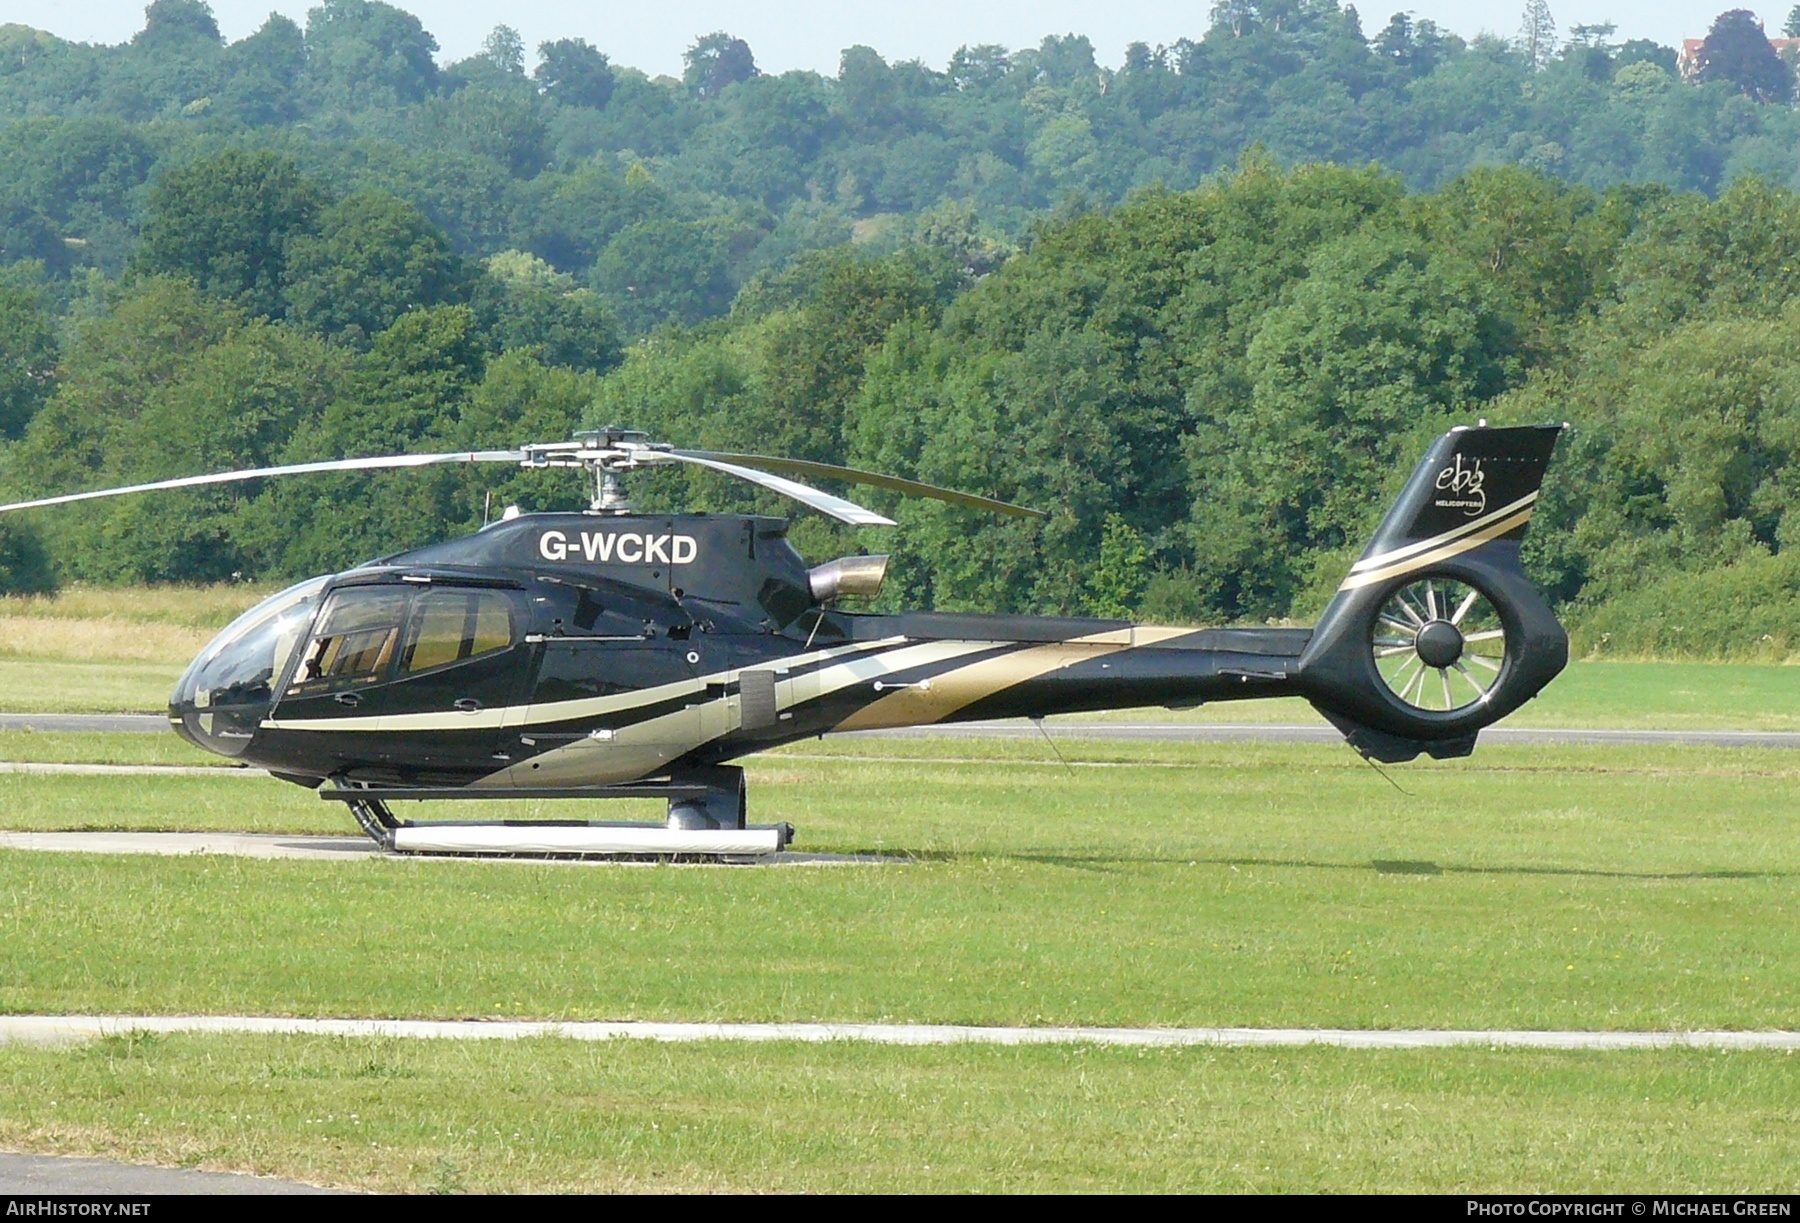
704,820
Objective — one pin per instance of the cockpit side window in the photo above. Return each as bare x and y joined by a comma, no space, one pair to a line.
355,641
451,626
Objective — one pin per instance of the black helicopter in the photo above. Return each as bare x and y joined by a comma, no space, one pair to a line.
616,654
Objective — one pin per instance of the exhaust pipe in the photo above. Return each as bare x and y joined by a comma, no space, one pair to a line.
848,575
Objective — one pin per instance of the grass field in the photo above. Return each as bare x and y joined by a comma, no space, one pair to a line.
1216,885
1230,885
551,1115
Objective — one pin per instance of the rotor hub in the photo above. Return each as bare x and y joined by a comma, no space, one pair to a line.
1439,643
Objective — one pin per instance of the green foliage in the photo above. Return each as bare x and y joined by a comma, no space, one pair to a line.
1100,290
570,71
362,54
27,355
663,270
227,223
1737,52
373,258
525,304
1747,610
716,61
168,383
25,567
1117,583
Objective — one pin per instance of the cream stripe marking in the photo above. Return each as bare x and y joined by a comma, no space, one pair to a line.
561,711
1494,531
1397,554
65,1029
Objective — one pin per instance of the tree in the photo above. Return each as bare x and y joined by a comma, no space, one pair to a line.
1737,52
27,358
661,270
25,567
177,22
374,258
1537,34
406,393
364,54
525,304
572,72
263,72
505,50
227,223
716,61
1791,27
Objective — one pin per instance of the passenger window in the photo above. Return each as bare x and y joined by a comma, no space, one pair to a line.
452,625
355,641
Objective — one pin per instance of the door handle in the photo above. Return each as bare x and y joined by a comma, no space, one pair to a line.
468,704
348,698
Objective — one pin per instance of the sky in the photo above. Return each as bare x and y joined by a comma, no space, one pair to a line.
811,33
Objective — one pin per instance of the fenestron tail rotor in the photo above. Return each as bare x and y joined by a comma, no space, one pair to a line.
1439,645
605,454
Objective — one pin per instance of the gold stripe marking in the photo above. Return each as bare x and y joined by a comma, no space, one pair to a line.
943,695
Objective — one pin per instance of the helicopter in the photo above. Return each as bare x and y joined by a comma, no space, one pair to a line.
619,654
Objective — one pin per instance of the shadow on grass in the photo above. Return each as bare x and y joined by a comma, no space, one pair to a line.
1108,863
1386,867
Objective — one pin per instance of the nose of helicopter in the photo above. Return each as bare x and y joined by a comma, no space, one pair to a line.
227,692
224,729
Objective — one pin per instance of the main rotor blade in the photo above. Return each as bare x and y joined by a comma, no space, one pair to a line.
855,475
806,494
377,463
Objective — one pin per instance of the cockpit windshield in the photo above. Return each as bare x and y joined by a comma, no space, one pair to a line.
228,690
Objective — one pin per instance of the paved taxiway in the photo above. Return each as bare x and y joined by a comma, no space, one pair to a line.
66,1029
56,1175
318,848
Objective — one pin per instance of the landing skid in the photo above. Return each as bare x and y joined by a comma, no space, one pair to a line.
706,820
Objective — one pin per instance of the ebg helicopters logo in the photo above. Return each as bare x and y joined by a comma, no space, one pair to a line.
626,547
1463,486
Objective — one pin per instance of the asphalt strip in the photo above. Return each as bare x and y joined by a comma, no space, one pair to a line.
326,848
32,1175
67,1029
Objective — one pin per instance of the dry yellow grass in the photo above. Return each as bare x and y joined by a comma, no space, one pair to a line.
156,624
99,639
197,607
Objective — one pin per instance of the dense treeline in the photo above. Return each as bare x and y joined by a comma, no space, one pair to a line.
1215,390
667,195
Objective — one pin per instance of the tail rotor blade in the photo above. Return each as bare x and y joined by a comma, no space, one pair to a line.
876,479
377,463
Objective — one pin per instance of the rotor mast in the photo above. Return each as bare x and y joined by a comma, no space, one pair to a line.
605,453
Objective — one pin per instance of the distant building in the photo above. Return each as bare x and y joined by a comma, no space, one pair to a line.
1688,61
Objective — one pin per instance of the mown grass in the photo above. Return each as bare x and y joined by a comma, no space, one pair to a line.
1254,885
1620,695
92,747
29,685
558,1116
1144,884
